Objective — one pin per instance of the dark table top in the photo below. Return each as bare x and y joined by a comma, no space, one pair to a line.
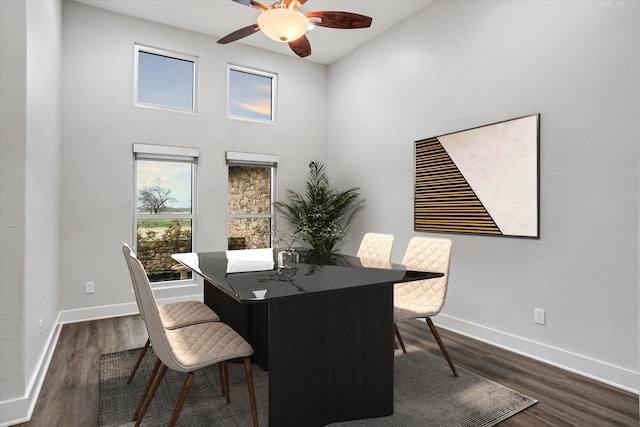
252,276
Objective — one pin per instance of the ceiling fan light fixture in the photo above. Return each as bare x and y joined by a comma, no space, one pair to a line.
282,24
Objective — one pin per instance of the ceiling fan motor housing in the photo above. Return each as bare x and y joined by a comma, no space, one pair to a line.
283,22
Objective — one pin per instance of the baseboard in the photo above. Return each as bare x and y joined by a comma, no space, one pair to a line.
117,310
15,411
19,410
598,370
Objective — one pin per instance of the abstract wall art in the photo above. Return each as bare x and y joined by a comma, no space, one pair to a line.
483,180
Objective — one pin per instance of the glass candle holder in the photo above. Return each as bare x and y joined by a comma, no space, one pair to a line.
288,258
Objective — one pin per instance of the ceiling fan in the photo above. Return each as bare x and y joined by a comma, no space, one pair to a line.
283,22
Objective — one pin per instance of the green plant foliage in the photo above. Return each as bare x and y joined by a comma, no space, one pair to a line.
175,239
321,214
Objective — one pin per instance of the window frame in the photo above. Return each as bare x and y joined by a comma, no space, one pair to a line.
274,91
176,155
173,55
234,158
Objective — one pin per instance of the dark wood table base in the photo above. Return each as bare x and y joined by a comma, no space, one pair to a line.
329,355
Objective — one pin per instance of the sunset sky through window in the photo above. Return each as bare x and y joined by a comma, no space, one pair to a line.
250,95
165,81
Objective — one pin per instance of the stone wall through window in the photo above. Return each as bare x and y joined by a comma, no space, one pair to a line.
249,194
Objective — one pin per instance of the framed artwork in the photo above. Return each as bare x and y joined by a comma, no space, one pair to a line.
483,180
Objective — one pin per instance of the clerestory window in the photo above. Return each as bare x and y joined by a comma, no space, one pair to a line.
164,79
251,94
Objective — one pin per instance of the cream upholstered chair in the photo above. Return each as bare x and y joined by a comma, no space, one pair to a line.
174,315
185,349
376,247
424,298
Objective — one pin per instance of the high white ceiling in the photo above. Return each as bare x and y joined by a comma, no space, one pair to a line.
220,17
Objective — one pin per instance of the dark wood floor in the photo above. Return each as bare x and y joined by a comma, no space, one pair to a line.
69,396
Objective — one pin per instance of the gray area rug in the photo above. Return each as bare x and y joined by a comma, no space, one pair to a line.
426,394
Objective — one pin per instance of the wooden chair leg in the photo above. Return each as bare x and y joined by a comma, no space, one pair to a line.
252,395
135,367
152,393
221,377
183,396
443,349
395,327
145,392
225,376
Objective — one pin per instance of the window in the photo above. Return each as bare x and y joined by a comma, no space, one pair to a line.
251,94
165,79
251,194
164,219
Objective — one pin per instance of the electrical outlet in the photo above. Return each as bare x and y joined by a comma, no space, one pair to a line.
89,287
40,326
539,316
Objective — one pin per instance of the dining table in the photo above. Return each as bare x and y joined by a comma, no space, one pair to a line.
322,328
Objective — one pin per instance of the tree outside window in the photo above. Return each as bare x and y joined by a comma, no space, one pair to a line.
154,198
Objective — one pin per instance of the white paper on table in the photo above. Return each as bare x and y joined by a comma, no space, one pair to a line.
246,260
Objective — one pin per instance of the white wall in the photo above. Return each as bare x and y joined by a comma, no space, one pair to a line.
457,65
101,123
44,143
31,145
12,184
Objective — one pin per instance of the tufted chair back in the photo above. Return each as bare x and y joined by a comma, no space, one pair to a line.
376,247
127,252
423,298
149,309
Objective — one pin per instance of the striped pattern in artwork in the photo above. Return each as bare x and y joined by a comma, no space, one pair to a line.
444,200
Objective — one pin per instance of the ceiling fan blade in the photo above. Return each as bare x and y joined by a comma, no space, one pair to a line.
301,47
251,3
300,3
239,34
341,20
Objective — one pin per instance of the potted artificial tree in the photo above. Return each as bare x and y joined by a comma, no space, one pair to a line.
320,216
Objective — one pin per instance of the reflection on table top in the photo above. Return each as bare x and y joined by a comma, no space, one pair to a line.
252,275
